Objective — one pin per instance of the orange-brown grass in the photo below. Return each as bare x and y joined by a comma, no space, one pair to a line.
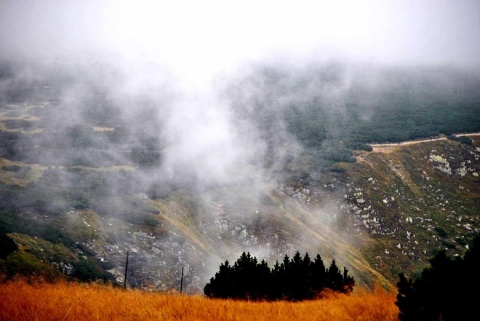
21,300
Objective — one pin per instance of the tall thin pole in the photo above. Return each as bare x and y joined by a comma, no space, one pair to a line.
126,269
181,282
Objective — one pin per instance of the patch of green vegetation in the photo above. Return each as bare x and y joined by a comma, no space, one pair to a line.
449,245
47,242
89,270
338,167
26,264
49,230
44,250
360,146
441,232
462,139
461,241
84,226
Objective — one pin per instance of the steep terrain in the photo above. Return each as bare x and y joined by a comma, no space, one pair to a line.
397,205
414,199
91,173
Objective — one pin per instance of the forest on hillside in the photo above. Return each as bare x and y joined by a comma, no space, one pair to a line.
332,109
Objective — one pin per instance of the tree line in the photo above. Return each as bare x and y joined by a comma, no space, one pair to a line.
293,279
447,290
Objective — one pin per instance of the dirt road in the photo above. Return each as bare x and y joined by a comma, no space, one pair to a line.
389,146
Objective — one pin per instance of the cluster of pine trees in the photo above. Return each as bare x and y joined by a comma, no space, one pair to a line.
447,290
294,279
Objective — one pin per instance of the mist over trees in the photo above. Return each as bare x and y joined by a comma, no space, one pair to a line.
93,118
293,279
334,108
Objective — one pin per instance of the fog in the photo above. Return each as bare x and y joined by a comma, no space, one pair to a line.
197,91
199,39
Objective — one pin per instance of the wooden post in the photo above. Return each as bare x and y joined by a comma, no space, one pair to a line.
126,269
181,282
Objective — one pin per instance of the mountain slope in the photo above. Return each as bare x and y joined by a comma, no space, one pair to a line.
400,204
415,199
99,169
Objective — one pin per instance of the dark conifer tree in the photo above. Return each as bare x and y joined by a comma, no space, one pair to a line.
276,278
318,275
334,277
297,279
250,278
406,300
220,286
294,279
348,281
444,291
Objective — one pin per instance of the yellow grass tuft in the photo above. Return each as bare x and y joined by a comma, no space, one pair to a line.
21,300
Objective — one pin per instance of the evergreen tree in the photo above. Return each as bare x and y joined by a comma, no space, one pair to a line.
406,300
444,290
277,281
250,279
220,286
334,277
348,281
294,279
318,275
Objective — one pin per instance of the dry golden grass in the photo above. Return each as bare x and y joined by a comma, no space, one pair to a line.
21,300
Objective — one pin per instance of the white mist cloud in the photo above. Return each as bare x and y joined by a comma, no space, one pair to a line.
199,132
200,38
177,54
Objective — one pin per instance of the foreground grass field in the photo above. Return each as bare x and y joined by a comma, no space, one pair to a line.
21,300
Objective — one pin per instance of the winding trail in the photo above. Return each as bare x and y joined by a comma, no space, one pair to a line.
388,146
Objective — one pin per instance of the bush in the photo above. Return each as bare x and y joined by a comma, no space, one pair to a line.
7,245
87,271
441,232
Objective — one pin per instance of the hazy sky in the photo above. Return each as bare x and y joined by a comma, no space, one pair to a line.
199,37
